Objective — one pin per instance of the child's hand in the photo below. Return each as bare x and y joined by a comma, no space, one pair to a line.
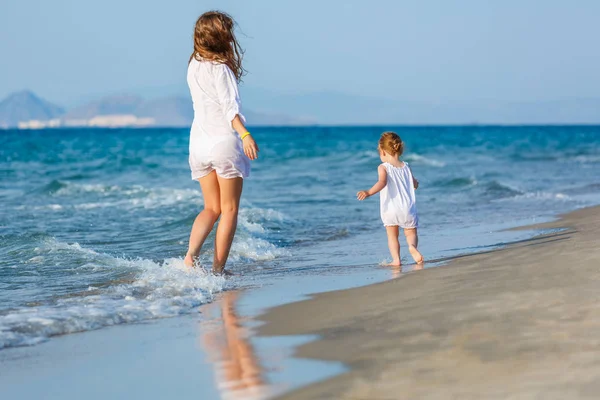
363,194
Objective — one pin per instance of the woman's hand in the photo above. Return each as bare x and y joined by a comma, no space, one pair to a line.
250,147
363,194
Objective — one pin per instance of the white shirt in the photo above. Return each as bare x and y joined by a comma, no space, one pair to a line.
214,144
215,96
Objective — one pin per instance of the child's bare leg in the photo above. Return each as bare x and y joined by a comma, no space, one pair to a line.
206,219
412,239
393,244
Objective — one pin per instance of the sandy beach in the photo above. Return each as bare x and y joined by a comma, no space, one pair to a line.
521,322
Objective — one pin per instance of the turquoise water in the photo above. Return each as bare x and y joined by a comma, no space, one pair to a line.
94,223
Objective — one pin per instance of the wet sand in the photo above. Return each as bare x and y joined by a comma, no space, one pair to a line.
522,322
206,355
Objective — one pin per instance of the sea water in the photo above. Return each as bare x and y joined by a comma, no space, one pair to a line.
94,223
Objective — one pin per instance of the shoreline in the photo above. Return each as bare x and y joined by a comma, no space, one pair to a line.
268,363
211,353
514,322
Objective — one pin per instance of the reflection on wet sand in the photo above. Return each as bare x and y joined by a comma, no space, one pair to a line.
237,368
397,270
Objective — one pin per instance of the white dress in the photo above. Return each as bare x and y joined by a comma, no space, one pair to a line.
397,198
214,144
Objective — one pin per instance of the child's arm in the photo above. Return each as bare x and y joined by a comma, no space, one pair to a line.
415,181
363,194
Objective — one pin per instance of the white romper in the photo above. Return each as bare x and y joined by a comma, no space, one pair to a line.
214,144
397,198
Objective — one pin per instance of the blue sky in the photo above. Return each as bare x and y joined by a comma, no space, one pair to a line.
421,50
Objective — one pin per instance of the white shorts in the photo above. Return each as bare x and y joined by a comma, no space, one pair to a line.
223,154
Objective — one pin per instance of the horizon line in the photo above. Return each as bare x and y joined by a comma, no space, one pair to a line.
381,125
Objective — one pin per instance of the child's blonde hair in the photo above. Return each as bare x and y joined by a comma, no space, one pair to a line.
391,143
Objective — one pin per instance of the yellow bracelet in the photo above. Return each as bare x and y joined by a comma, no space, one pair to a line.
245,134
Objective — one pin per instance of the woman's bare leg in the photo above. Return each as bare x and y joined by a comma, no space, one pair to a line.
412,239
231,192
393,244
206,219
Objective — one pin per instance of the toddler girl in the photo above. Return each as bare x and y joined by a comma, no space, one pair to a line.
397,186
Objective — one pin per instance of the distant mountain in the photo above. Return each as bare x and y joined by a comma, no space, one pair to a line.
111,105
255,118
26,106
349,109
26,110
164,111
168,111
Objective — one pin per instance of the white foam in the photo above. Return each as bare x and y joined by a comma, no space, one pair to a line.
160,290
53,245
409,157
255,249
250,218
419,159
134,196
51,207
539,195
70,188
589,159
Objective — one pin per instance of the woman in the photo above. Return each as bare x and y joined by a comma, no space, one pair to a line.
220,144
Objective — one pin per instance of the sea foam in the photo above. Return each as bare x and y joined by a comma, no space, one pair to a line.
160,290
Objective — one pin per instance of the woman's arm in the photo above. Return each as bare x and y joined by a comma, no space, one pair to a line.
229,98
381,182
250,146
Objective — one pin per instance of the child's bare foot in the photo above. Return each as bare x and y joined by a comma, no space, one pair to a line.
394,263
416,255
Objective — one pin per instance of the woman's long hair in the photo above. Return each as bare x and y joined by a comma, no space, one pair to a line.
214,40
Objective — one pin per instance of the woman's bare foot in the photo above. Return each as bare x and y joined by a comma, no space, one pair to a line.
189,261
221,272
416,255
